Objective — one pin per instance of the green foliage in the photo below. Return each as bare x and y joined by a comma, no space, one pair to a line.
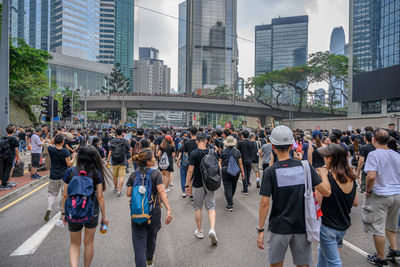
117,82
224,91
132,114
28,81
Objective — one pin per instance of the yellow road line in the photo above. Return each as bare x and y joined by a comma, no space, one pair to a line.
24,196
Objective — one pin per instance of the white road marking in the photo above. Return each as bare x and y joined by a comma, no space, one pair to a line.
32,243
356,249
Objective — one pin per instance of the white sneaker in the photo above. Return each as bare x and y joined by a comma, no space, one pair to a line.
199,234
167,190
183,194
213,236
171,184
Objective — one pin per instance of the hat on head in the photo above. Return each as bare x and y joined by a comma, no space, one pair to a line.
307,137
316,133
168,138
230,141
281,136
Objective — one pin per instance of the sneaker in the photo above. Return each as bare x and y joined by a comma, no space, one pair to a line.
183,194
149,262
199,234
230,208
119,194
115,190
213,236
2,188
12,184
38,176
373,259
167,190
47,216
191,198
35,176
249,184
393,255
258,184
244,192
171,184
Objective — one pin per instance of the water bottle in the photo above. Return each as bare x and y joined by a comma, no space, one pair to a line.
103,228
59,223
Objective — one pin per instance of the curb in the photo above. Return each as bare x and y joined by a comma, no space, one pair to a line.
23,189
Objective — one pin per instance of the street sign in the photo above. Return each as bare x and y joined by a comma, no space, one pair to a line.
228,125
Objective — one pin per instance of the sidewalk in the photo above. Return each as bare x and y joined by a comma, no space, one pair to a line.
22,182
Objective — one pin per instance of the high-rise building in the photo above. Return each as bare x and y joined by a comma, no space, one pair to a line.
211,45
320,96
107,31
281,44
124,37
148,53
374,57
338,47
182,48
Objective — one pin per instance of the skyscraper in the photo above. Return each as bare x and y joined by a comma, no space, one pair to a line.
279,45
337,47
211,45
182,48
107,31
374,57
124,37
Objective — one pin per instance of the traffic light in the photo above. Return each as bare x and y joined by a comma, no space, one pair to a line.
49,104
66,107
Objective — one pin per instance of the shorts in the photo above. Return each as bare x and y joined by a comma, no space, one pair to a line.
35,160
199,196
255,168
299,246
76,227
55,186
119,171
380,213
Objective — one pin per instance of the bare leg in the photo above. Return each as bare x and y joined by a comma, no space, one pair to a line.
279,264
212,217
391,236
167,179
33,170
120,183
198,217
75,248
380,246
89,246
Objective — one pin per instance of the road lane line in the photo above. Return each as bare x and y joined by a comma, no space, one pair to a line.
32,243
356,249
24,196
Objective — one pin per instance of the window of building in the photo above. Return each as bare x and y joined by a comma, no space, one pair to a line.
393,105
371,107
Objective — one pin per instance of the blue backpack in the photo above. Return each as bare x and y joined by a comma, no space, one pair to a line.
142,202
79,206
233,168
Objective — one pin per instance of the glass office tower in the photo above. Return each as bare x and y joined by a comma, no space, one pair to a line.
124,37
376,55
107,31
182,48
211,45
337,47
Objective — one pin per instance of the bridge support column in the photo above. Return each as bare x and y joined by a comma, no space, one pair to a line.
124,115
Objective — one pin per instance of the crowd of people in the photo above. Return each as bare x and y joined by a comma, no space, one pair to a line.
286,164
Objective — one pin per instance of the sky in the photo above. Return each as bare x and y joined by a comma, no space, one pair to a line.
161,32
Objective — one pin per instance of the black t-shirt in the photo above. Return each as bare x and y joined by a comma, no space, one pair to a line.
284,181
156,179
364,151
74,142
336,208
105,141
58,164
22,136
226,154
101,152
190,146
13,144
194,160
246,148
143,141
159,140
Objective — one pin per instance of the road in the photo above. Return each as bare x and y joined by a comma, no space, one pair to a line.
176,244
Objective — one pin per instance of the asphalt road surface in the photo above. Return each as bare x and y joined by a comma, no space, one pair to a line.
176,244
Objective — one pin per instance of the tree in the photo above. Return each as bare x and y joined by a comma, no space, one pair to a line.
28,81
117,82
224,91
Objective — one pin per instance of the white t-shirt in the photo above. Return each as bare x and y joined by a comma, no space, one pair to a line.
35,141
386,164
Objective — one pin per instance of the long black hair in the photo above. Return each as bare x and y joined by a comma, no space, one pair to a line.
339,164
89,161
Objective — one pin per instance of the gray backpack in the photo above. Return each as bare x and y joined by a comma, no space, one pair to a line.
210,171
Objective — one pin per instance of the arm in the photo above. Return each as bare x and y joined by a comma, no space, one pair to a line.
164,199
188,179
355,203
220,163
262,216
310,151
129,191
370,182
323,188
102,204
159,153
241,167
272,123
271,162
70,161
68,147
65,196
17,159
361,161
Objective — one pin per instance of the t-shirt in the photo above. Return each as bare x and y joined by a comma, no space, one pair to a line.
35,141
190,146
71,172
305,150
101,151
364,151
386,164
127,149
156,179
58,164
284,181
226,154
195,160
73,143
142,140
13,144
266,150
105,141
22,136
246,148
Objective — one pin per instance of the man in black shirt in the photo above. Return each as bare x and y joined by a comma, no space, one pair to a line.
246,148
364,151
183,157
6,164
195,186
22,140
140,138
285,183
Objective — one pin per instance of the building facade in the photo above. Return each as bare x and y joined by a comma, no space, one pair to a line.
320,97
374,58
211,45
107,31
182,48
281,44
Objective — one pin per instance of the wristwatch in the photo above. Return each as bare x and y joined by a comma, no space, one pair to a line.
260,230
186,186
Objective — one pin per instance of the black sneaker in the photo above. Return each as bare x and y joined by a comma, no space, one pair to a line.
393,255
47,216
230,208
258,184
249,184
373,259
244,192
191,198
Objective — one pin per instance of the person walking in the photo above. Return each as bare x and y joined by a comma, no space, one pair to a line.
265,153
382,198
230,180
246,148
144,235
36,152
90,162
167,149
314,158
255,158
335,208
9,148
285,183
364,152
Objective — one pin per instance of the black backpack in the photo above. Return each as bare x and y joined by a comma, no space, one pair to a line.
118,150
5,149
210,171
